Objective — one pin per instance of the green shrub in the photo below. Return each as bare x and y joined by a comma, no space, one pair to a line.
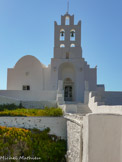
10,107
32,112
33,143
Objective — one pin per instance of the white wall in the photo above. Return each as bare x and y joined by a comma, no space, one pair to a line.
29,95
66,70
102,138
108,97
38,104
47,78
29,71
17,97
74,138
8,100
112,98
56,124
96,108
94,138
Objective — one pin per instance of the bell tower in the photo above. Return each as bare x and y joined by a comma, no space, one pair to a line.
68,66
67,38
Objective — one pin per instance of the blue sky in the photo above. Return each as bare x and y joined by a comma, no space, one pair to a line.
27,27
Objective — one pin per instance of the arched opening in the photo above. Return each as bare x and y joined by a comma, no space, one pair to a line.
72,45
62,35
67,20
62,45
66,73
72,35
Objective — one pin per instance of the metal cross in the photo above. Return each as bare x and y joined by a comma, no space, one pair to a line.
67,6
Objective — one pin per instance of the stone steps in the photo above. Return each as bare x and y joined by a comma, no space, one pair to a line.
83,109
77,108
98,98
71,108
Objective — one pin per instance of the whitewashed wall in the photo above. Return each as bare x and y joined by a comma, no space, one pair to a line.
8,100
96,108
107,97
27,71
102,138
39,104
56,124
74,138
28,104
29,95
112,98
94,138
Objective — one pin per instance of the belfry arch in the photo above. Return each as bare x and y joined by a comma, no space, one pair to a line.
66,73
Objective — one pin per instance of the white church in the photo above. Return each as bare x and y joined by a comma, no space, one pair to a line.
92,121
68,80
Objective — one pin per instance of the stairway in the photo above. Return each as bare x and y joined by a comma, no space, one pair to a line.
99,98
83,109
77,108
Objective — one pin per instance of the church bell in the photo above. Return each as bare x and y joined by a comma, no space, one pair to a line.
62,33
72,34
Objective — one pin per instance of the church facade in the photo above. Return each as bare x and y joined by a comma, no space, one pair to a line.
67,80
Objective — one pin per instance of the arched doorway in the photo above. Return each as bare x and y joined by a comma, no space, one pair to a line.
66,73
68,90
